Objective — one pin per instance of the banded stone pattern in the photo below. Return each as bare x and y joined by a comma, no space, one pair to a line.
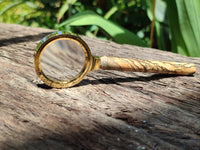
137,65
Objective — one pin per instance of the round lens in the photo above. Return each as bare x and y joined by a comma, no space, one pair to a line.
62,59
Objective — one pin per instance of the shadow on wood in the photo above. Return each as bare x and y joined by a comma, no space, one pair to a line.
124,79
15,40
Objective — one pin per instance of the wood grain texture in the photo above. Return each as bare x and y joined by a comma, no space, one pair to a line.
107,110
151,66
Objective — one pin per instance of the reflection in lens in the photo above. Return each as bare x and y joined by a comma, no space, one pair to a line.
62,60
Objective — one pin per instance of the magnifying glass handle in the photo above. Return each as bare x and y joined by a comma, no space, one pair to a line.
137,65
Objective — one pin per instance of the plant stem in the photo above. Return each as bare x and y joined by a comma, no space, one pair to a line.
152,24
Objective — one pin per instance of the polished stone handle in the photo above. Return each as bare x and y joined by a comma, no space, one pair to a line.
137,65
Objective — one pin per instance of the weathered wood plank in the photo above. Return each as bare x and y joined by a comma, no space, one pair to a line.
107,110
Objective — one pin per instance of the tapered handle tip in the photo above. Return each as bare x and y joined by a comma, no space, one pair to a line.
188,70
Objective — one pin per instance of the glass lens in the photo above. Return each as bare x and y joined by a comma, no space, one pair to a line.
62,59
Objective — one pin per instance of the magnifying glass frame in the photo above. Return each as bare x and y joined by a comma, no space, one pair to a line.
104,63
90,61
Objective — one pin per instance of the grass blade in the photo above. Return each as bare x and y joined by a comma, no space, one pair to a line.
178,44
111,12
189,24
184,24
64,8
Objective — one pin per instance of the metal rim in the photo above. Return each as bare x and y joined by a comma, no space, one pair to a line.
48,40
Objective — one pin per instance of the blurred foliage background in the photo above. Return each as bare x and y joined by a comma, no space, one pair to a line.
177,22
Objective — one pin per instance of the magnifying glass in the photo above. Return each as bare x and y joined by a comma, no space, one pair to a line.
63,59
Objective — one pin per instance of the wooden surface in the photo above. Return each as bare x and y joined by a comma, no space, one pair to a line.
107,110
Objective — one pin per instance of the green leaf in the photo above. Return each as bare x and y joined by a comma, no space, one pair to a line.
178,44
184,24
118,33
189,24
31,5
1,1
11,6
160,36
160,10
198,5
